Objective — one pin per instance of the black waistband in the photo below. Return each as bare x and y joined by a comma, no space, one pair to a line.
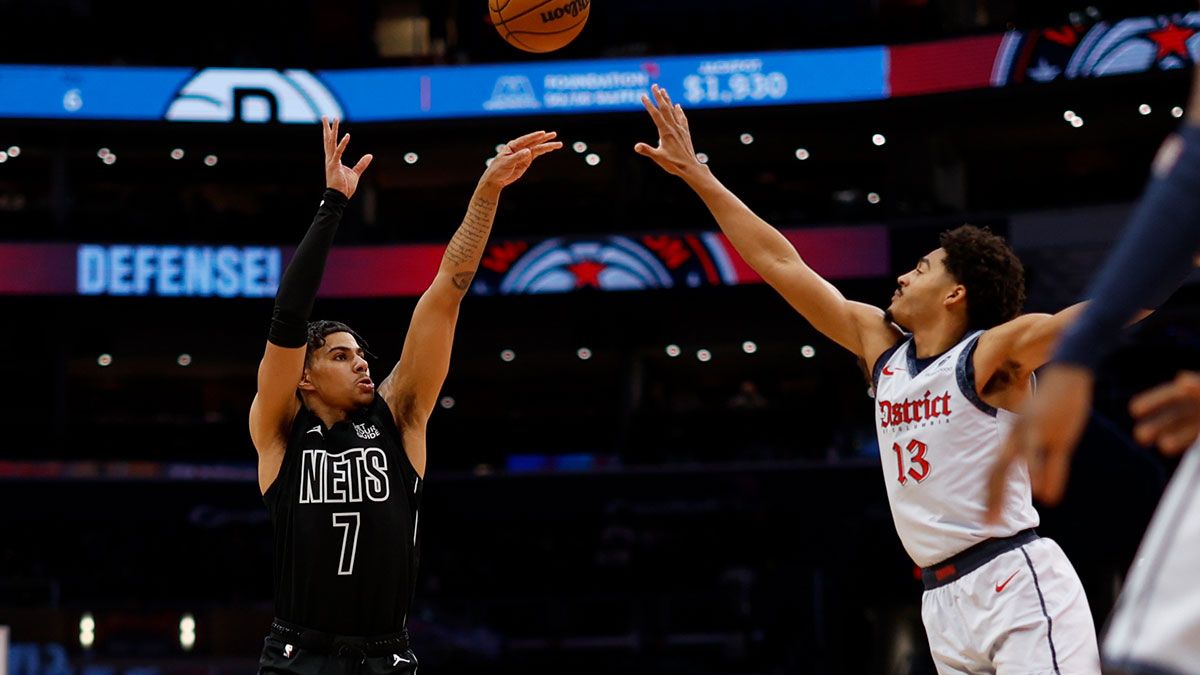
339,645
968,561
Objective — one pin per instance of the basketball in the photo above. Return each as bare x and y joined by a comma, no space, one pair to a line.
539,25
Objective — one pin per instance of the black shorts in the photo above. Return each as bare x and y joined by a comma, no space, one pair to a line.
284,659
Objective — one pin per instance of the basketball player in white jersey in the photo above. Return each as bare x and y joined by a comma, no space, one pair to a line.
950,358
1155,627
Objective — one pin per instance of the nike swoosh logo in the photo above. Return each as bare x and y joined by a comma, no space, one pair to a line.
888,371
1000,587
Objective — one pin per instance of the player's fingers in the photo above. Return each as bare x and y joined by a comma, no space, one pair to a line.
680,117
1153,400
341,147
655,114
527,140
543,148
1152,425
1056,466
362,164
647,150
660,95
1179,436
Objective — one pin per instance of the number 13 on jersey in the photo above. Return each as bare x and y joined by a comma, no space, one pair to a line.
918,466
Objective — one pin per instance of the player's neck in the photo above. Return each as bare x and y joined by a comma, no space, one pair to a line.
328,414
939,335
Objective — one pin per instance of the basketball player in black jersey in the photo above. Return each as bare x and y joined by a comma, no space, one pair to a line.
340,461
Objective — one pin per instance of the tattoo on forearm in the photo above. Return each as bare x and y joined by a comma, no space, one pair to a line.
468,242
462,280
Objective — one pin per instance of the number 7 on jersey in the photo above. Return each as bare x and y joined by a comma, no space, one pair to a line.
348,520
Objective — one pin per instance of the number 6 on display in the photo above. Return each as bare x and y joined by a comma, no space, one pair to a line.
348,520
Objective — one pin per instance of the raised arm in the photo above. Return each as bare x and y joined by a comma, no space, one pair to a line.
1150,260
412,388
275,405
859,327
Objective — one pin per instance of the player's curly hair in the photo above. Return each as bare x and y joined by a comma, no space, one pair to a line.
321,329
990,271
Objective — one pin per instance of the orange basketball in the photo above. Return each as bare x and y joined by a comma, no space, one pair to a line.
539,25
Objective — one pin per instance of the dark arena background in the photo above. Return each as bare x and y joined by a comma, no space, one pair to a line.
644,461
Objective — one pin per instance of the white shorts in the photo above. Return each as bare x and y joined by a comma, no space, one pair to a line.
1155,627
1022,613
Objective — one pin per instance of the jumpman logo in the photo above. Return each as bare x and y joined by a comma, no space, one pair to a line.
396,659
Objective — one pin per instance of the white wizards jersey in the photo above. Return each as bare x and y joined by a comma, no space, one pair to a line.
939,441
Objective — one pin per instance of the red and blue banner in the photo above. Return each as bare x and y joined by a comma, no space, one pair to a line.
259,95
509,266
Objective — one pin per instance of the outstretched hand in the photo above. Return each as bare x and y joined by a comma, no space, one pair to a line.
675,152
1045,436
339,177
515,156
1168,415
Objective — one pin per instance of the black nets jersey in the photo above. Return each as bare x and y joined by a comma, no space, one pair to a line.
345,512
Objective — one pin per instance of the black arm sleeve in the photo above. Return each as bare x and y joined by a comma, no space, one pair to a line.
300,282
1151,259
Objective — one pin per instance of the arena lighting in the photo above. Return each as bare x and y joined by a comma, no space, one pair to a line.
704,355
702,158
583,353
102,153
879,139
87,630
746,139
14,151
184,360
104,359
1145,109
873,197
488,161
592,159
1077,122
1069,115
187,632
1176,112
410,157
210,160
807,351
579,146
177,153
749,347
802,154
673,351
3,157
110,159
507,355
501,146
447,402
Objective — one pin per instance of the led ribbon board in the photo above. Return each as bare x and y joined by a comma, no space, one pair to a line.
509,266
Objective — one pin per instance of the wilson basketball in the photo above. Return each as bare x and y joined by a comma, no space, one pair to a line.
539,25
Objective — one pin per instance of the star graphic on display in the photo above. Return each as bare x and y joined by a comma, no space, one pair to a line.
587,273
1171,40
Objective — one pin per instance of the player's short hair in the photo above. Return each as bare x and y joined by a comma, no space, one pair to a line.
990,271
319,330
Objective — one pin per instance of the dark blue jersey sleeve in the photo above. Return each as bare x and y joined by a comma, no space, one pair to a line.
1152,258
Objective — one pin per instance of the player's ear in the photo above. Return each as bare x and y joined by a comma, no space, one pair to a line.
305,383
958,293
